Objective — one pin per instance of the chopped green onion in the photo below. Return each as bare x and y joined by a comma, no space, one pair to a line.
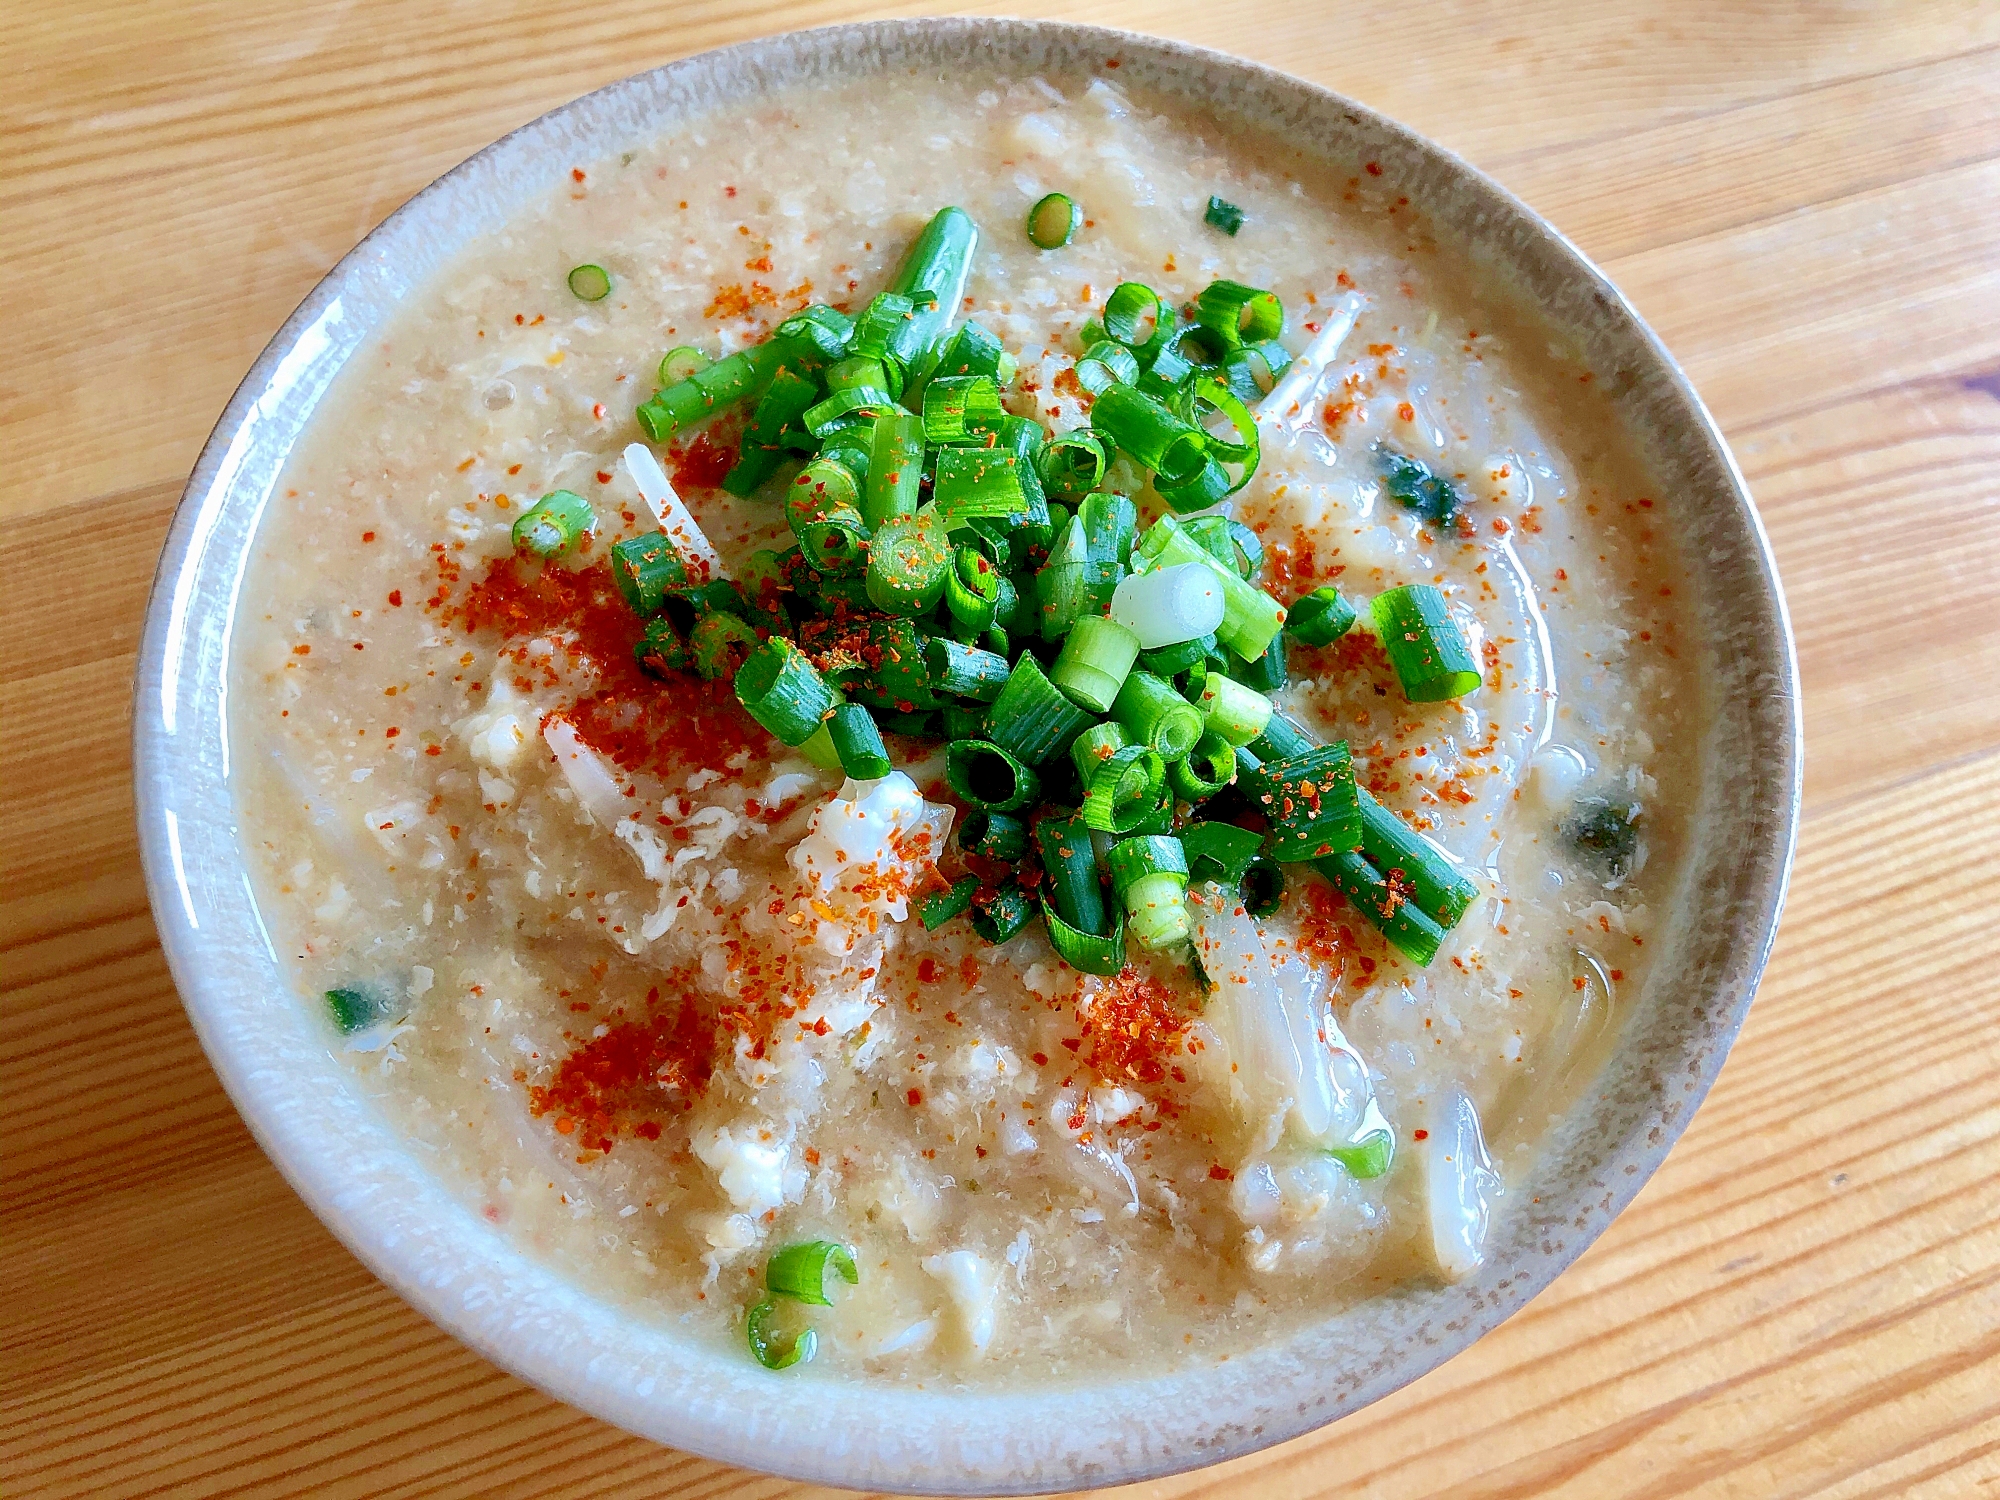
1169,605
1062,584
645,568
1069,863
974,484
1219,851
816,336
682,362
778,412
1281,738
858,372
1095,656
799,1271
1131,313
895,468
879,324
1268,672
1424,644
1229,542
1205,770
989,777
1122,792
1223,214
1153,714
1206,401
1250,617
1435,884
955,404
993,835
354,1009
1175,356
770,1350
962,722
1071,464
1238,314
1053,222
965,671
1262,888
858,401
1149,874
1090,750
1150,432
916,726
719,643
908,561
1311,802
972,590
858,742
1320,618
1110,526
1086,952
932,276
1106,363
1031,718
708,390
1171,661
783,691
941,906
883,666
1002,915
1368,1157
1413,484
973,350
660,650
590,283
1385,903
1209,485
554,524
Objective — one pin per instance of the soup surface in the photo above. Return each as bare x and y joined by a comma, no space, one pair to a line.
650,988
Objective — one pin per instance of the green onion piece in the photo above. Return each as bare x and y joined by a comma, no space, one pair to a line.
857,372
1149,874
1437,887
660,651
682,362
1320,618
1209,485
932,276
1110,526
973,350
1209,404
941,906
1250,617
1219,851
993,835
908,561
858,742
1385,903
776,417
972,590
554,524
1205,770
1172,604
1062,584
880,322
962,722
1153,714
1131,313
1254,370
1281,738
1071,464
1311,802
1415,486
858,401
708,390
1268,672
1090,750
1368,1157
1031,718
972,484
883,666
1149,432
989,777
1223,214
1238,314
783,691
1263,887
590,283
1424,644
965,671
354,1009
1053,222
799,1271
1002,915
955,404
1121,793
645,568
816,336
720,643
1171,661
1069,861
895,468
1107,363
771,1350
1095,656
1086,952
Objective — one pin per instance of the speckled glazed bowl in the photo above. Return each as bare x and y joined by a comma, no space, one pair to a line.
411,1229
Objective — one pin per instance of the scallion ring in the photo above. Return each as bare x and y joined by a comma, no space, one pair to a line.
1131,314
1123,791
1053,222
590,283
799,1271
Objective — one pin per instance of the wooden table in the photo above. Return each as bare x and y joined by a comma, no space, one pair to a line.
1807,206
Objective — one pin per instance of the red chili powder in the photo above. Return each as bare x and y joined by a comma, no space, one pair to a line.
614,1084
1134,1025
701,463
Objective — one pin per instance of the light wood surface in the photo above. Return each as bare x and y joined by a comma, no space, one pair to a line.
1805,201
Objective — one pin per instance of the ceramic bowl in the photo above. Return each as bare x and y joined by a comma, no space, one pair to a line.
416,1234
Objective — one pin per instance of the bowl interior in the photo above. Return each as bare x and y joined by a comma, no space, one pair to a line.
354,1171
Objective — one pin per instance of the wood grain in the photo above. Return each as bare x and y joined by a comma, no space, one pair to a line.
1804,200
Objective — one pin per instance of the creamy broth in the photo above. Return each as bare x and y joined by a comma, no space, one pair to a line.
656,1002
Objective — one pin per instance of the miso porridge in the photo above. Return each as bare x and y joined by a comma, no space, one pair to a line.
1039,745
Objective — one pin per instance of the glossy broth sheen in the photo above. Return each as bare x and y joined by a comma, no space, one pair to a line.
655,1005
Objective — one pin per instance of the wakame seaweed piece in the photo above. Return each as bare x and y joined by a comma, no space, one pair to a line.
1223,215
1605,830
355,1009
1412,483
